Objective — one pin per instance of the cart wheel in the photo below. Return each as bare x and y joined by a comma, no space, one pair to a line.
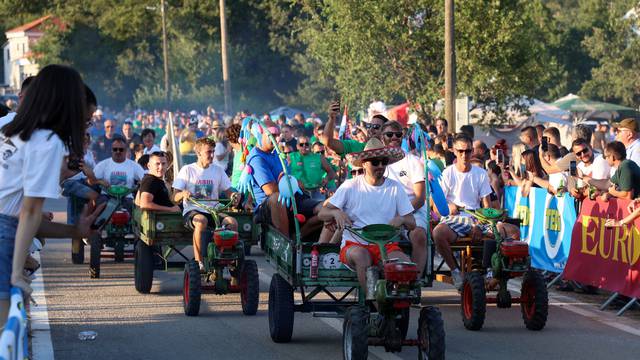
503,300
474,301
94,256
77,251
249,287
403,322
118,251
431,344
143,267
281,312
534,300
355,333
191,291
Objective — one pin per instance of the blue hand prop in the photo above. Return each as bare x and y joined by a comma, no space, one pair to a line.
405,145
246,178
256,130
285,196
245,132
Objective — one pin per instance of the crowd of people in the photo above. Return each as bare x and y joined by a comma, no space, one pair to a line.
59,140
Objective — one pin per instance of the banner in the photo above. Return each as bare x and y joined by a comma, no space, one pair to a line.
608,258
547,222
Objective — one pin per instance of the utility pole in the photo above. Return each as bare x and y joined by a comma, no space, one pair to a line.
449,65
225,60
165,55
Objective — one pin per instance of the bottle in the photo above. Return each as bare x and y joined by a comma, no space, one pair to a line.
314,263
561,189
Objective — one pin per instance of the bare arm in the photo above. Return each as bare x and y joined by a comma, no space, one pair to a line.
28,224
419,189
486,202
328,169
544,184
270,188
180,195
327,136
330,213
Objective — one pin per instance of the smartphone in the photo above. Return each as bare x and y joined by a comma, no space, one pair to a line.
449,142
500,156
544,146
73,163
523,171
573,168
105,215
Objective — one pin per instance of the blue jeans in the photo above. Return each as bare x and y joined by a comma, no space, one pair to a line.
8,228
77,192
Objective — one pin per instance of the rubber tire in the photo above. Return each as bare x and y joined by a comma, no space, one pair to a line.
94,256
143,267
431,329
474,308
281,309
403,322
504,302
355,331
249,287
118,251
191,290
247,249
77,258
534,300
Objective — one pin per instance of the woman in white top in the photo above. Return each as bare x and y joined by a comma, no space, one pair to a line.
51,122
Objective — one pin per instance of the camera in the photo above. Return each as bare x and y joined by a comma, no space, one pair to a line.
74,163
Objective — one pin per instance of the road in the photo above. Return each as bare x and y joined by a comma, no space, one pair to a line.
153,326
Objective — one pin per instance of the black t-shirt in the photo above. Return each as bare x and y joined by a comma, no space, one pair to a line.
156,187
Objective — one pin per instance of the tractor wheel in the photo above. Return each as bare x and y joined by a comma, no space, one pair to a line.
355,333
281,311
247,249
503,300
77,251
94,256
474,301
431,344
118,251
191,292
403,322
534,300
143,267
249,287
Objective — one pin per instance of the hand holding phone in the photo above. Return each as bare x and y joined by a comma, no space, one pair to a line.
450,142
500,156
544,146
523,172
573,168
334,108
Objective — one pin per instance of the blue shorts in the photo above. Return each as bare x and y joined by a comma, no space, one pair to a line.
77,188
462,225
8,227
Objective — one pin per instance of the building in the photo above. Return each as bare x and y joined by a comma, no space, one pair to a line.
18,59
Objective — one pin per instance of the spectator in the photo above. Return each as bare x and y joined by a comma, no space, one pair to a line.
529,137
287,137
629,135
342,147
468,130
497,184
311,169
189,135
102,147
149,139
579,131
233,133
626,180
223,149
557,183
599,140
442,126
480,150
540,132
553,137
592,168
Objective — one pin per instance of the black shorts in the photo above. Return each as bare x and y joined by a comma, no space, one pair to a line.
304,205
211,224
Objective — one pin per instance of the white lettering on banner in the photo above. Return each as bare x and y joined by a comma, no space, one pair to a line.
552,249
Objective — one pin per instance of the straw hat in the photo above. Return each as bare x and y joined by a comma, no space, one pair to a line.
376,149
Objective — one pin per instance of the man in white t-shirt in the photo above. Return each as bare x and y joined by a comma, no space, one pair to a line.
466,187
409,172
557,182
366,200
592,168
119,170
148,139
202,181
629,134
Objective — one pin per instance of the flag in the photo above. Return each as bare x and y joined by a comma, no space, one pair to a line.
343,124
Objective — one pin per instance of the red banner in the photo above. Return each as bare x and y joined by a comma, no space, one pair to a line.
607,258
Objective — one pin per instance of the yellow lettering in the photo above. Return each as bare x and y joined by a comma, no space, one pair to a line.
553,219
603,241
634,246
523,214
620,235
588,235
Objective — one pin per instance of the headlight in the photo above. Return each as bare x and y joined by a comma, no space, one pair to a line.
159,226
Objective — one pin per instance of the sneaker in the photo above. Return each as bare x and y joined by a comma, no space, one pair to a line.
456,276
86,241
201,266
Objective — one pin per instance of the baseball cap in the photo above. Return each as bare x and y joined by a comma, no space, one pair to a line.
629,123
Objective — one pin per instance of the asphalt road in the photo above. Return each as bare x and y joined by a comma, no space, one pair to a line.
153,326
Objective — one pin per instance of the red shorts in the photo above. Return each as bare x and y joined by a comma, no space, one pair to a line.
374,250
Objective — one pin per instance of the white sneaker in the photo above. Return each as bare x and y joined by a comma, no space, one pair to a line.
201,265
456,276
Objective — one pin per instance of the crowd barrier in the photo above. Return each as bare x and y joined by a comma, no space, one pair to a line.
14,343
579,246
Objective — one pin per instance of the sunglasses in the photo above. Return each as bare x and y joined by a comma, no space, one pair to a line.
372,126
464,151
584,151
377,162
391,134
117,149
357,172
303,144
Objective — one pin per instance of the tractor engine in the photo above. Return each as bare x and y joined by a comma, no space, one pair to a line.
120,218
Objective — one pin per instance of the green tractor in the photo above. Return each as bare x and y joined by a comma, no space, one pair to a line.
226,270
115,230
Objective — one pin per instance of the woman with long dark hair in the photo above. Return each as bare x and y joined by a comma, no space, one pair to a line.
50,123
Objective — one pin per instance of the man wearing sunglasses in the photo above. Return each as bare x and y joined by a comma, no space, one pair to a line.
593,168
466,187
366,200
629,135
118,170
310,168
346,146
409,172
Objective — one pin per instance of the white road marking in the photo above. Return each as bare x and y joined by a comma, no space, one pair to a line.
41,344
